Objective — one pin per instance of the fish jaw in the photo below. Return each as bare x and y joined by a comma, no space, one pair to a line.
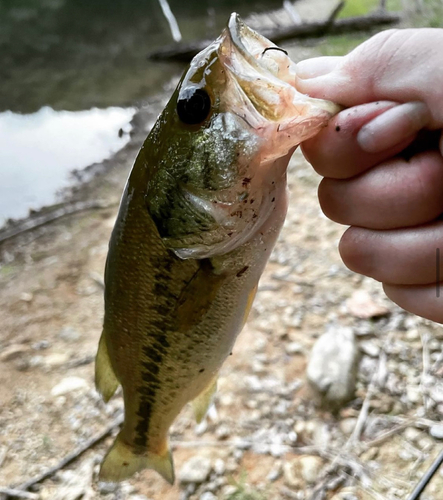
264,76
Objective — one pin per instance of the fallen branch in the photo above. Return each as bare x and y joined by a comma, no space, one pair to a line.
13,493
50,216
186,51
72,457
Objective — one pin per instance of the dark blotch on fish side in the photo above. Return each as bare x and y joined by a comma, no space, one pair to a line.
242,271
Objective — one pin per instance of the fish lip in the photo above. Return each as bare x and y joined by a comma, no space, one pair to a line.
234,29
237,31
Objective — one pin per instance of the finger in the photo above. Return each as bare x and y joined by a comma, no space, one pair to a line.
396,257
426,301
393,126
394,194
335,151
398,65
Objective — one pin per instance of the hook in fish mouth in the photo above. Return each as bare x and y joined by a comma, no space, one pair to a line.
274,48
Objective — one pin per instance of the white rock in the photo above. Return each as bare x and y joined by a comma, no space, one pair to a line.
294,348
310,468
370,348
69,334
436,431
413,393
222,432
219,467
69,384
195,470
207,495
332,367
347,425
56,360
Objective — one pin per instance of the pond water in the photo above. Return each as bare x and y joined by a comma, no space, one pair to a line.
77,55
38,150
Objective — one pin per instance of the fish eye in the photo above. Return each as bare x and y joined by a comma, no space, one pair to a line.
194,106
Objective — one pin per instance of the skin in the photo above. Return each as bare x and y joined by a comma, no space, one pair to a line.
381,159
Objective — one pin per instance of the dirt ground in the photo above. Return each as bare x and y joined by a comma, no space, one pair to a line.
265,437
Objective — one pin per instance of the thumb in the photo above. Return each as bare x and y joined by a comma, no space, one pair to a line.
397,65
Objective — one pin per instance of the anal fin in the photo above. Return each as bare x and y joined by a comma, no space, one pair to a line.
203,401
121,463
105,380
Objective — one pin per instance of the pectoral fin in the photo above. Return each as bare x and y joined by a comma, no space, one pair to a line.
203,401
105,380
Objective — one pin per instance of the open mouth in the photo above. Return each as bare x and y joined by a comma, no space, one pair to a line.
267,77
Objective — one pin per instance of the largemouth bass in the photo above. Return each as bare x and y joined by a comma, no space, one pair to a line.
200,214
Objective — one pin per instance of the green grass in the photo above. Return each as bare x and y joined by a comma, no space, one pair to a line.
244,491
361,7
340,45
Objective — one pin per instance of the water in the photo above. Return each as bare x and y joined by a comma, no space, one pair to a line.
38,150
77,55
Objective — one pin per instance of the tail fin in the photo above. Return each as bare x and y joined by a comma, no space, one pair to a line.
105,380
121,463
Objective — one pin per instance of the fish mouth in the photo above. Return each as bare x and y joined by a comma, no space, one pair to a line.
265,78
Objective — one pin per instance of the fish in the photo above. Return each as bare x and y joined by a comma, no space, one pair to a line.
201,211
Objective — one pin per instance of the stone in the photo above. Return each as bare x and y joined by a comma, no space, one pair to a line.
332,368
370,348
69,334
69,384
56,359
436,431
207,495
294,348
347,425
26,297
413,393
229,490
222,432
195,470
13,351
412,434
219,467
310,468
291,473
75,483
362,305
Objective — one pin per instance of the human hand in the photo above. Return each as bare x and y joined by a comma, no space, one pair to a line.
383,173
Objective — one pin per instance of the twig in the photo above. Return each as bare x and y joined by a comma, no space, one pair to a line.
384,436
172,21
292,12
10,492
186,51
425,370
336,11
47,217
363,415
72,457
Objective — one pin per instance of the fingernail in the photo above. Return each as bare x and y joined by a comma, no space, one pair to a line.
318,66
393,126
